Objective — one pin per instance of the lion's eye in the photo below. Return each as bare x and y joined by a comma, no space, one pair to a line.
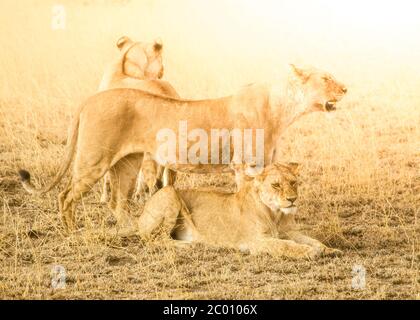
326,78
294,184
275,185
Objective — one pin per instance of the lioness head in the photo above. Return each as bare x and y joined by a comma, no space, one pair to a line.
321,89
141,60
277,187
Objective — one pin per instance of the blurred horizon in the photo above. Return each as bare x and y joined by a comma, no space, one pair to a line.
223,44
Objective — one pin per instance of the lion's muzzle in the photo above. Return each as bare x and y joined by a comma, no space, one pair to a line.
289,210
330,105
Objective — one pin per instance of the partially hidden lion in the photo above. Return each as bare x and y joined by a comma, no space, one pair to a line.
138,66
259,218
131,120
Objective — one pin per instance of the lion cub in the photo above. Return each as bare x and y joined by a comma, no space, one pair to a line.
259,218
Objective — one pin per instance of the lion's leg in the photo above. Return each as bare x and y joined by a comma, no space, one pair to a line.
160,170
141,187
149,178
239,178
84,178
160,213
318,246
168,177
113,198
106,184
61,199
279,247
123,177
150,172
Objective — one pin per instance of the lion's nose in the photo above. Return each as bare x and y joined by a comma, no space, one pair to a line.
291,199
344,89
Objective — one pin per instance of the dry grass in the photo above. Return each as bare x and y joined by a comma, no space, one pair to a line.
360,177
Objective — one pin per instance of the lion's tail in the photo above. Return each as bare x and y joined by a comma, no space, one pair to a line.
25,176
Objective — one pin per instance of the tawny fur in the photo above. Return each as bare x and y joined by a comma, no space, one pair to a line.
138,66
130,120
259,218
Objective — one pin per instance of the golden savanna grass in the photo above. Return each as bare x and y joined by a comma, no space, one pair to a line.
360,166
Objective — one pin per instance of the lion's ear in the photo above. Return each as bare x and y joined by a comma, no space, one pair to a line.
251,170
158,45
301,73
294,167
121,42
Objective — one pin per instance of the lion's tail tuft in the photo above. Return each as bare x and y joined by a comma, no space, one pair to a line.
24,175
25,178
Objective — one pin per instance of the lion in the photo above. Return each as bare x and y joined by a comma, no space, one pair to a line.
150,179
138,66
259,218
131,122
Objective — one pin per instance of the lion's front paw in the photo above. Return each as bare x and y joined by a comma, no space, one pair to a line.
313,253
306,252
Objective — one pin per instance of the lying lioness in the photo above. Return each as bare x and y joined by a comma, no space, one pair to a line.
131,120
259,218
138,66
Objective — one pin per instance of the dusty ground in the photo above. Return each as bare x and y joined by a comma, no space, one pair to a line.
359,182
377,229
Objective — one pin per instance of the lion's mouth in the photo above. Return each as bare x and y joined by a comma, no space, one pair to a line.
330,105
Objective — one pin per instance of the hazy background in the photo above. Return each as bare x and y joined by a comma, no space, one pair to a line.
219,44
360,165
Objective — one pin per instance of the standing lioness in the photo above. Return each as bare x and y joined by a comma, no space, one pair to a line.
259,218
130,122
139,66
